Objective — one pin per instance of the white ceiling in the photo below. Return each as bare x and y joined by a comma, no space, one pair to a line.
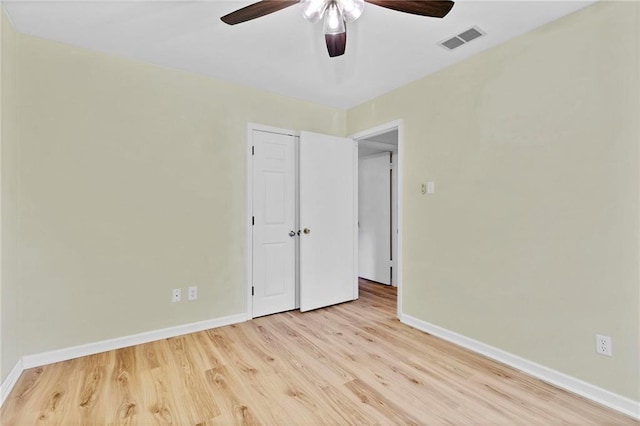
281,52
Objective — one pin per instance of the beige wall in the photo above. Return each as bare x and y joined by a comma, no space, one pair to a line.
9,290
530,242
132,182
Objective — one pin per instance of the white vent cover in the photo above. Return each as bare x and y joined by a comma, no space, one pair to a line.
462,38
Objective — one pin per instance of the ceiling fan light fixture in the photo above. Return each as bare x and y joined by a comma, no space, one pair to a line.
336,14
312,10
351,9
333,19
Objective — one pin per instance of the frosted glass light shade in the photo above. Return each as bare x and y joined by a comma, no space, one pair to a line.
351,9
312,10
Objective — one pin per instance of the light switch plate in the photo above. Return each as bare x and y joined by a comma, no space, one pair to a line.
431,187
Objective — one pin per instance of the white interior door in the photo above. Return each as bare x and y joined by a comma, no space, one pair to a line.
274,219
374,218
328,214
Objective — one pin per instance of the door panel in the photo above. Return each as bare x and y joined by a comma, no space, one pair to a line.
374,218
274,208
275,283
328,173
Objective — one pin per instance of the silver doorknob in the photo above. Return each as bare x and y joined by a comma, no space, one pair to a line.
292,234
307,231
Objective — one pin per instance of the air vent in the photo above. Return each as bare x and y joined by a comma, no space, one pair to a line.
462,38
470,35
452,43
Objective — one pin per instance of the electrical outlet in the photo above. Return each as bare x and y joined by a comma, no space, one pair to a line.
603,345
192,293
176,295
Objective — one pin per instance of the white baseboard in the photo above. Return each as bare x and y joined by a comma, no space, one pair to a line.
10,381
556,378
44,358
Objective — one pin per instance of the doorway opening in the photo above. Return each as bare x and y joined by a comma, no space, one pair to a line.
379,205
377,208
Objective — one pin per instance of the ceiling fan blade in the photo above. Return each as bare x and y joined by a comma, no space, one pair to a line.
336,43
256,10
433,8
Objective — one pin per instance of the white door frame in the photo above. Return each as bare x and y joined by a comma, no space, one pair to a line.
248,249
375,131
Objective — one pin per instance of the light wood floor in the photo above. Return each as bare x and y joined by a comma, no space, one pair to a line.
349,364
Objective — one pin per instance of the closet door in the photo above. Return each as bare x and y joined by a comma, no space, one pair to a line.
328,219
274,223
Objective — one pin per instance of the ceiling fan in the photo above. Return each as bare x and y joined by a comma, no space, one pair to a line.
337,13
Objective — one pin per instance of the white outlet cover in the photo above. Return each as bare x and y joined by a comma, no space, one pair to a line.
176,295
603,345
193,293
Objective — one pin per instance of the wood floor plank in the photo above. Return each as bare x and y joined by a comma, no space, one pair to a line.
353,363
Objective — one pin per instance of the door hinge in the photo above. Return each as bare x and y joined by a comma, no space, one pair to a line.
253,150
253,220
252,290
